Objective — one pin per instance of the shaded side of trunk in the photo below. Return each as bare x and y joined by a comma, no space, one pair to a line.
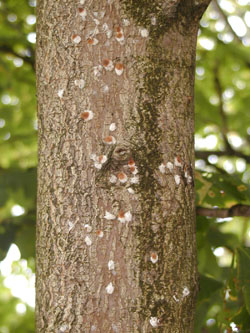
116,218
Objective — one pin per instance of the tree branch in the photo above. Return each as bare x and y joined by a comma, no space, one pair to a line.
223,116
202,2
195,8
204,154
217,168
236,210
7,49
200,6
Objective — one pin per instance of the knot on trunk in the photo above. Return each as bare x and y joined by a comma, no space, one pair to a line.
121,154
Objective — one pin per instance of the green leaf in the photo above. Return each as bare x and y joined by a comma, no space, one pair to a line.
208,286
7,236
243,258
25,240
218,238
19,230
200,315
246,293
242,319
3,196
207,263
220,189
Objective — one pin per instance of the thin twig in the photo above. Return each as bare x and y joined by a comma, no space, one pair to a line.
236,210
204,154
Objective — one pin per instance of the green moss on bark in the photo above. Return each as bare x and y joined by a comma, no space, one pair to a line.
150,15
153,72
152,86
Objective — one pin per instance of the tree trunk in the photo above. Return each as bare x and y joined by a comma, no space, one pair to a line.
116,247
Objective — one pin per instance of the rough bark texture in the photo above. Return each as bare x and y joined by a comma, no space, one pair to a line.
128,63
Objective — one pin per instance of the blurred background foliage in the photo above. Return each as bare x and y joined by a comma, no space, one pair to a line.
222,144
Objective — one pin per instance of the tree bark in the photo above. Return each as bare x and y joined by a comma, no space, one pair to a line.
116,247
